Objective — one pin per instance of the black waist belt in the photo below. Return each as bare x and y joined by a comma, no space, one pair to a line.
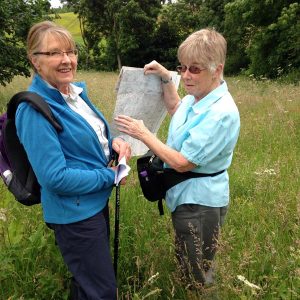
171,177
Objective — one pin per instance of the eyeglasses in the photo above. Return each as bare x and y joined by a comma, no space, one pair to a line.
58,53
192,69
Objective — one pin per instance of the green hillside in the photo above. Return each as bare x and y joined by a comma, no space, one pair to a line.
71,22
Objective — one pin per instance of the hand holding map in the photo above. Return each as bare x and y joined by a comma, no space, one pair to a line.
140,97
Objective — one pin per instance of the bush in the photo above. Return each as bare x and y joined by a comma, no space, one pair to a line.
275,49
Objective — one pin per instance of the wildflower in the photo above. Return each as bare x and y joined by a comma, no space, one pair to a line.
270,172
248,283
3,215
266,172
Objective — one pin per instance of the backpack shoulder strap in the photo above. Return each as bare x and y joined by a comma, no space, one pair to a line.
37,102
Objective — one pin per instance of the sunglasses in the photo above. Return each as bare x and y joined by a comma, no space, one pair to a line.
192,69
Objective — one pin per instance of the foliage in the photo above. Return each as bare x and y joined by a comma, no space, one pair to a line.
260,238
125,26
137,23
16,18
165,44
263,35
235,33
260,41
179,19
189,16
283,37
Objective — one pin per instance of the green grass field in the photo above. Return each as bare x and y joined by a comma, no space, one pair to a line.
260,240
71,22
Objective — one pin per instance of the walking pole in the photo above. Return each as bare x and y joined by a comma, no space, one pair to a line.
117,222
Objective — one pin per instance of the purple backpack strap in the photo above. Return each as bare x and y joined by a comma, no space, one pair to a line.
4,165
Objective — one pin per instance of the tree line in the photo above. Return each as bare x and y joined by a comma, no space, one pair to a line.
263,35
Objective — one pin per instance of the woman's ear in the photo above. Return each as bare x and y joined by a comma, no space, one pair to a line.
35,62
219,70
218,73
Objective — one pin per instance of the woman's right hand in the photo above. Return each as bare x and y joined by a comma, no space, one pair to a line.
115,169
155,68
134,128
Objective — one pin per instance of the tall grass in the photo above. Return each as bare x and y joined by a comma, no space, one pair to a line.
260,240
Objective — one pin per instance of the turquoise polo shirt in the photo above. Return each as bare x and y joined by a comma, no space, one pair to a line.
205,133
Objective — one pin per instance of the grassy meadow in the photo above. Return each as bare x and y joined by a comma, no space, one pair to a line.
259,252
70,21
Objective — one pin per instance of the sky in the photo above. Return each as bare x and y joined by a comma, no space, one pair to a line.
55,3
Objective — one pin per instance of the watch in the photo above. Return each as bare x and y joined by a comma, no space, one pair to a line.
166,81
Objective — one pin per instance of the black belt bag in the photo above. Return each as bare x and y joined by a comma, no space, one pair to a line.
155,180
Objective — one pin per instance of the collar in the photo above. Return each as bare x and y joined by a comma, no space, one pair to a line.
210,98
75,91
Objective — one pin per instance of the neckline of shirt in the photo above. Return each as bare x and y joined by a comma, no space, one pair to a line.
75,91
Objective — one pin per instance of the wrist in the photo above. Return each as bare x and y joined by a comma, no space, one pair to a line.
166,79
146,136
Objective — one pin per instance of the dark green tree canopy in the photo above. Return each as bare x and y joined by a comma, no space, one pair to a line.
127,27
16,18
263,35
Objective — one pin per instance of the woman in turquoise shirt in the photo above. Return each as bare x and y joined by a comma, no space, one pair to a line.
202,135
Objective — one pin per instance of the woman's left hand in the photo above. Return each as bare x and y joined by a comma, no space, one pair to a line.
122,148
134,128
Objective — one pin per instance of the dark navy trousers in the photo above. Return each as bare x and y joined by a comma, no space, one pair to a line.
85,249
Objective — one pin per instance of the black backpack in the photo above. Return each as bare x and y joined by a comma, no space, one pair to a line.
15,168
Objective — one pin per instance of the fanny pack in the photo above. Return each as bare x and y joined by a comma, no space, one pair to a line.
155,180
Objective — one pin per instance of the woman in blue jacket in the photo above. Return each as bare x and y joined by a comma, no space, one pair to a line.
71,166
202,135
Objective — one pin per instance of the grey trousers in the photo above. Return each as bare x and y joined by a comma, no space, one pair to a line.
196,239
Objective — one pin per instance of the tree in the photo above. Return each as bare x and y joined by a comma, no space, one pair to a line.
137,22
179,19
16,17
275,49
126,26
165,44
189,16
262,35
252,40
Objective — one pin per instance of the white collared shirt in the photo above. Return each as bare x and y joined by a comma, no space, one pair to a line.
77,104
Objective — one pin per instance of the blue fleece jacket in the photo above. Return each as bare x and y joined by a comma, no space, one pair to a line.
70,166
